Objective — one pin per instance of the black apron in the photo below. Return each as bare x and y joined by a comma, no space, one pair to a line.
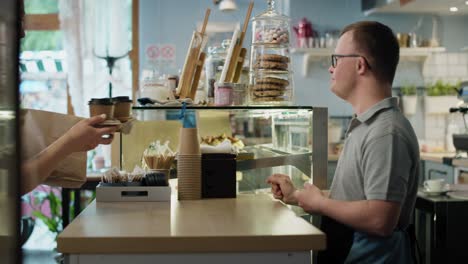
339,241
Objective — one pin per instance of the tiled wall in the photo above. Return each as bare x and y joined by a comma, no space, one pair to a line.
448,67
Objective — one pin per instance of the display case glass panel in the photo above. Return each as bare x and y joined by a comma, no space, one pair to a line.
279,139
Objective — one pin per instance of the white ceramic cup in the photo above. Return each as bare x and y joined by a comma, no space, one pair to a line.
436,185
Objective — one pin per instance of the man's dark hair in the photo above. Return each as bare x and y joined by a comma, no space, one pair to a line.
379,45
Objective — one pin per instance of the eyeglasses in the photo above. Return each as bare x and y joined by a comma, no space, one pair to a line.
335,57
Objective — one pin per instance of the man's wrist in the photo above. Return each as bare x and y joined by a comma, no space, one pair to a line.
294,197
321,204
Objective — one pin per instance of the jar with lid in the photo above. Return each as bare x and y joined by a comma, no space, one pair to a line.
270,27
227,94
154,86
214,65
270,78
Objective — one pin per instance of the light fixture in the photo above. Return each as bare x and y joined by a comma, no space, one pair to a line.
227,5
453,9
466,2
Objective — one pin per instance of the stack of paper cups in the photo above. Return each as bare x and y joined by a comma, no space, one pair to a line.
189,177
189,165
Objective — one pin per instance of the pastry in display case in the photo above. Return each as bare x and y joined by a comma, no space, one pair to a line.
270,64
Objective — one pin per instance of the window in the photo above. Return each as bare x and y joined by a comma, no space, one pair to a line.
43,75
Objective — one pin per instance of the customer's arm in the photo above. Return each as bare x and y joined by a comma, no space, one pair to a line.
371,216
387,172
83,136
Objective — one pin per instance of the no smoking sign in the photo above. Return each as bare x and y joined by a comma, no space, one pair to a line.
156,52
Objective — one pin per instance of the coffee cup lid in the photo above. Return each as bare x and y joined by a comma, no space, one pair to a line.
121,99
100,101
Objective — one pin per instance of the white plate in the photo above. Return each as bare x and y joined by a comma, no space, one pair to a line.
434,193
463,195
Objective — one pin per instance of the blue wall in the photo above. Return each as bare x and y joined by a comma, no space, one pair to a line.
331,15
327,15
173,21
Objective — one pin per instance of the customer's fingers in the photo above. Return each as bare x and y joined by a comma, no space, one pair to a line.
278,196
275,178
107,130
275,188
96,119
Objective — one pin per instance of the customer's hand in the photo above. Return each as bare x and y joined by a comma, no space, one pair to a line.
282,188
310,198
84,135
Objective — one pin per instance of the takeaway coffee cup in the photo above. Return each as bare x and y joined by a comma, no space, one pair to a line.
123,107
434,185
98,106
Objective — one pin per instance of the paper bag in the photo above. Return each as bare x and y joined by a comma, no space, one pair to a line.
40,129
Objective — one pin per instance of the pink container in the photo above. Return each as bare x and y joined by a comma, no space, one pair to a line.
223,94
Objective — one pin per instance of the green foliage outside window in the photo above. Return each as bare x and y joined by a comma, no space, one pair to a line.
40,6
41,39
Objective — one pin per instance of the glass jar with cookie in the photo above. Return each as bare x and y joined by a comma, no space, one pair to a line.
269,88
270,81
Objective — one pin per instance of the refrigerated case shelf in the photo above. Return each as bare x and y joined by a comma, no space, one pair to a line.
265,156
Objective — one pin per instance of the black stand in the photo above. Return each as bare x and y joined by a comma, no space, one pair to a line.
110,64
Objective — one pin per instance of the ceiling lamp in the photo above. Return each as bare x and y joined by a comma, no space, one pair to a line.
227,5
453,9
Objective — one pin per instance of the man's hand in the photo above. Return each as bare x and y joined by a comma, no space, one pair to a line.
282,188
84,135
310,199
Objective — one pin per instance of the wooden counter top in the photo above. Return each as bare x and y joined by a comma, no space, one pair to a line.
246,224
462,162
333,157
430,156
435,157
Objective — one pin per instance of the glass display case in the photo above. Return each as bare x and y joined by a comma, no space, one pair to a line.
276,139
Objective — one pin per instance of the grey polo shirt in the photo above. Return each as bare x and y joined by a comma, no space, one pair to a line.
380,159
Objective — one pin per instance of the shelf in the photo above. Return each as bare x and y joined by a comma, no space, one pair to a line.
319,54
420,52
245,107
418,7
270,45
266,157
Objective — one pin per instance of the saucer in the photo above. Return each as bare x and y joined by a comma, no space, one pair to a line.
462,195
434,193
